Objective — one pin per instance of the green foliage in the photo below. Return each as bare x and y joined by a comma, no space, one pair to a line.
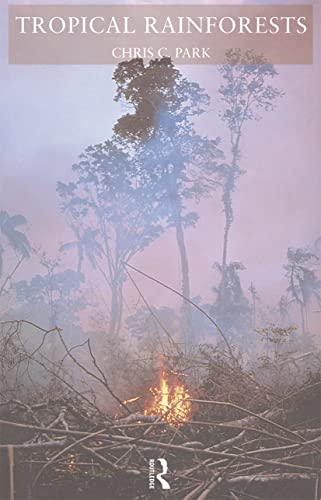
275,334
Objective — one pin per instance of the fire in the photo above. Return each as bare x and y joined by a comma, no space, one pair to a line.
72,463
167,400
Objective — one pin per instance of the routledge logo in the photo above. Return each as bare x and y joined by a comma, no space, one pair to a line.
165,485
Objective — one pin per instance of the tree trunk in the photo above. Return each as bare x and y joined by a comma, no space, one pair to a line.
254,314
185,287
302,318
116,306
187,313
306,318
228,211
228,189
227,193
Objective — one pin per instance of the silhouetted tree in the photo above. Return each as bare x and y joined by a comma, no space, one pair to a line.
245,93
303,281
178,162
112,213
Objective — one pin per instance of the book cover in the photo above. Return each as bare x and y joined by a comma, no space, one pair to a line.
160,245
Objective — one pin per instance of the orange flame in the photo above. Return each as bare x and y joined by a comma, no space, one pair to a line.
167,401
72,463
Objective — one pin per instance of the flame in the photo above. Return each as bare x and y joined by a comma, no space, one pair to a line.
72,463
167,402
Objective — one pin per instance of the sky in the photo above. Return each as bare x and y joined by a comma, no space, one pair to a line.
49,114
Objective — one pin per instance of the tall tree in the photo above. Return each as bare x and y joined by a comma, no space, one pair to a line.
246,91
112,213
177,161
